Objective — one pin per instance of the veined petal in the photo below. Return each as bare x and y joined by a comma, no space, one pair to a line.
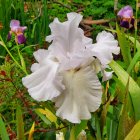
104,48
82,95
41,84
41,57
77,60
66,37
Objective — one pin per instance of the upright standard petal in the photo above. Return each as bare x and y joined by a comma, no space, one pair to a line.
66,37
41,83
104,48
126,12
82,95
14,23
15,26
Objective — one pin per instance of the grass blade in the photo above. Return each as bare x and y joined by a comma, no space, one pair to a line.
134,89
124,45
20,124
31,132
134,133
3,132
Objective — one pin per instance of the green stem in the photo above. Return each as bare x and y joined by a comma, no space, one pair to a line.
136,26
97,124
12,56
21,58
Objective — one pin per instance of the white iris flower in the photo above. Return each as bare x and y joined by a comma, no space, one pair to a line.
66,73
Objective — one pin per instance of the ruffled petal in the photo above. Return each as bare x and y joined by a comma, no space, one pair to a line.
66,37
82,95
40,83
35,67
41,57
104,48
77,60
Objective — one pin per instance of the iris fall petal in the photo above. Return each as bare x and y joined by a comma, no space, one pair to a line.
81,96
40,83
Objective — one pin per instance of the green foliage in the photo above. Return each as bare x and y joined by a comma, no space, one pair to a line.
134,89
134,134
3,132
19,124
43,117
124,45
78,128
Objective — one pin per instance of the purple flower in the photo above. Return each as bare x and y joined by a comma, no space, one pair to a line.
18,31
15,26
9,36
124,24
126,12
126,17
20,39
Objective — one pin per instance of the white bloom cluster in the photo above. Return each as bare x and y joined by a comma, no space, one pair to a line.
66,73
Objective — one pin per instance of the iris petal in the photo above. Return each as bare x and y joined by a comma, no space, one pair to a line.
41,83
126,12
66,37
81,96
20,39
104,48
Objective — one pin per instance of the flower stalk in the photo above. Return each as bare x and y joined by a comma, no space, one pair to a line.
16,62
136,30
